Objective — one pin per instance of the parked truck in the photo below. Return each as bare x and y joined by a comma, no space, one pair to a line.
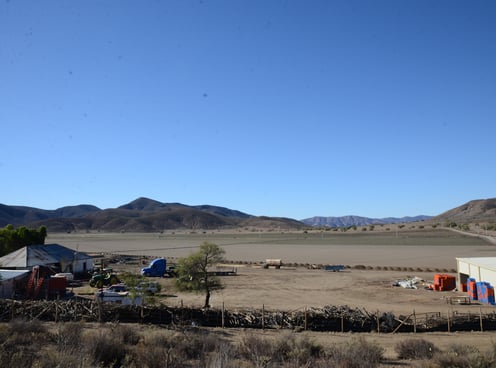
158,268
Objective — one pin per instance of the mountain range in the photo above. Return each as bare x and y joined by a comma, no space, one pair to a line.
344,221
148,215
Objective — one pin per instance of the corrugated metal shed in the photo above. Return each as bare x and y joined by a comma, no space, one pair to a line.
47,254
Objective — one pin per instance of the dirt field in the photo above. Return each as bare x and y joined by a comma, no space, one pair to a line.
405,248
388,257
293,287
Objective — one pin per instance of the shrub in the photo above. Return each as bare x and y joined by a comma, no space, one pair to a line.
256,350
126,334
415,349
223,357
20,343
157,352
461,356
357,353
105,350
66,359
295,351
68,336
23,327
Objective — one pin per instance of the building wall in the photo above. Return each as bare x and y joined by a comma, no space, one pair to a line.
479,273
6,288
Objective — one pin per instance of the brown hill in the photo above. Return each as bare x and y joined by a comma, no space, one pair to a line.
480,210
140,215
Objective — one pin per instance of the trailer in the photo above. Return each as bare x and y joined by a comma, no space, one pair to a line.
223,271
270,262
334,268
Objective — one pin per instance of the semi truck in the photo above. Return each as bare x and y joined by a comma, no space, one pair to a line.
158,268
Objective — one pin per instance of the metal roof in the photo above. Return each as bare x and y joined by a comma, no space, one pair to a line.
43,254
11,274
485,262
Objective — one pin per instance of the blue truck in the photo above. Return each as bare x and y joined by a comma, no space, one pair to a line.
158,268
334,268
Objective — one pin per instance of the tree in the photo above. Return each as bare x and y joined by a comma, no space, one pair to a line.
193,274
12,239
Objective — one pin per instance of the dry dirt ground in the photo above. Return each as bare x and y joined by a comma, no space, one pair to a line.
295,287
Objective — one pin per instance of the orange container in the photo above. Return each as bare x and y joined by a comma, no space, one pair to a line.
444,282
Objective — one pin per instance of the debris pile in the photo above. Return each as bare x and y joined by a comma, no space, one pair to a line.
410,283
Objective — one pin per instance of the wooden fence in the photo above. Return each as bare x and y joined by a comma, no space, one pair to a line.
328,318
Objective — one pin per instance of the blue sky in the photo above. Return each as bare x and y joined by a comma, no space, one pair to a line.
278,108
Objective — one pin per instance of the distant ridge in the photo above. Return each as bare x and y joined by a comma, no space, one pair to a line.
345,221
141,215
148,215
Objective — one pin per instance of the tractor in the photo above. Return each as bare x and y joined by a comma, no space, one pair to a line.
102,278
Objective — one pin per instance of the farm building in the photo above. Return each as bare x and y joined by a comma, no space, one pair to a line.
10,280
479,268
56,256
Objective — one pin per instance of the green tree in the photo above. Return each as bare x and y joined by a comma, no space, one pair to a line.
193,271
12,239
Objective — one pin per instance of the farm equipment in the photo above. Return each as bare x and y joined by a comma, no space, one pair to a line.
103,278
158,268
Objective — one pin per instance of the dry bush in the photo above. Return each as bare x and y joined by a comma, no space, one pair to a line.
66,359
157,351
68,336
196,345
23,327
256,350
460,356
415,349
357,353
225,356
295,352
20,343
104,349
126,334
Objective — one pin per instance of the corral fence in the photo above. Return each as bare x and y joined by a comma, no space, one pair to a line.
327,318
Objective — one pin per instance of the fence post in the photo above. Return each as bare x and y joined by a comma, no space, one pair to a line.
263,316
57,309
342,323
142,307
306,319
449,321
222,314
480,319
378,323
414,322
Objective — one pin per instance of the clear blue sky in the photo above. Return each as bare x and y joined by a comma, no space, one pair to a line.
278,108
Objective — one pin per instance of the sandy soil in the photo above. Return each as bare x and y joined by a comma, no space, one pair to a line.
296,287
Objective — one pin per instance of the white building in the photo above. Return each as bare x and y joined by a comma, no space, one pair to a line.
479,268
